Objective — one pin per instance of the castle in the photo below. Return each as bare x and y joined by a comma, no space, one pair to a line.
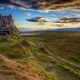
6,25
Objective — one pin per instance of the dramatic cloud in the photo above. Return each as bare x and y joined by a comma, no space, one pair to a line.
71,20
43,4
38,19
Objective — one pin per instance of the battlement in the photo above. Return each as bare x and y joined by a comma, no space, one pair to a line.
6,24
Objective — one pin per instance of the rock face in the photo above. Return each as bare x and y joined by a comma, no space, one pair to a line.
6,25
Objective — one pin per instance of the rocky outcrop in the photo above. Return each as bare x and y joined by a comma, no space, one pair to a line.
6,24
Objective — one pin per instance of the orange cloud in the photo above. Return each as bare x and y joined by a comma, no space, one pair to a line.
43,4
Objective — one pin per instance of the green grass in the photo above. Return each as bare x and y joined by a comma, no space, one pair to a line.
64,45
28,51
13,49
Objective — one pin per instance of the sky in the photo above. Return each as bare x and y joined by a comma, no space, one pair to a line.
21,15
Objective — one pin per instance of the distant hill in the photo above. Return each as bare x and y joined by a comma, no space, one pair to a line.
66,30
34,32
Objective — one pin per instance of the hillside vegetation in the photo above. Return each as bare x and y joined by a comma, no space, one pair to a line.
58,53
16,61
47,56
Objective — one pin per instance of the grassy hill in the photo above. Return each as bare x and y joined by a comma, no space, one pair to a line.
58,53
47,56
17,63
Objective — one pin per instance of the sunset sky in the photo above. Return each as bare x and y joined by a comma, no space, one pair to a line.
20,15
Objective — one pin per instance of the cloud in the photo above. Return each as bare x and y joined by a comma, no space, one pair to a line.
38,19
1,7
44,4
28,14
76,15
11,6
22,8
45,11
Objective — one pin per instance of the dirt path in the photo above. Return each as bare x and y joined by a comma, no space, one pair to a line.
61,60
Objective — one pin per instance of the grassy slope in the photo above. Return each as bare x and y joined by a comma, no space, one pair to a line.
26,59
63,45
17,63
